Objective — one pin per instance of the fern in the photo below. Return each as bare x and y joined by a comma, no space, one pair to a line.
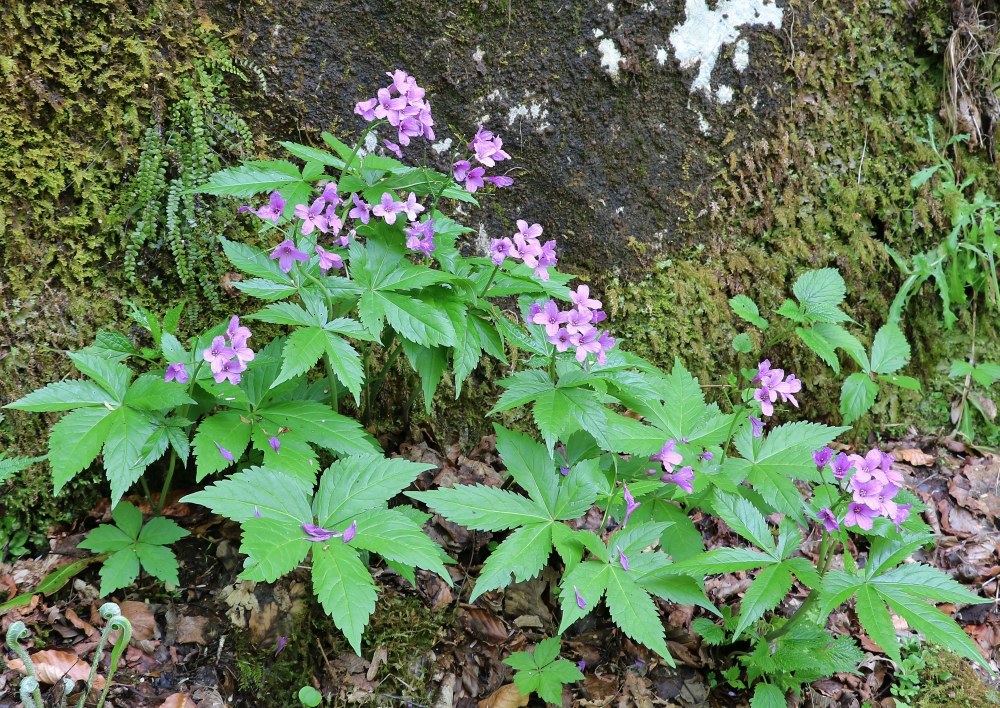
160,210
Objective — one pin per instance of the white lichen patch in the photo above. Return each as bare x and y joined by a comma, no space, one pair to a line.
648,7
598,33
527,112
610,56
477,56
441,146
704,32
724,94
661,55
741,55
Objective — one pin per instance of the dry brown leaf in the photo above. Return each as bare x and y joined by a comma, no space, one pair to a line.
378,658
483,623
84,626
178,700
505,697
191,630
914,456
51,665
142,620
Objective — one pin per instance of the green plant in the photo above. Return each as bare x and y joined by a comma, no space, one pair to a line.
906,682
161,207
983,374
309,696
31,695
131,544
815,318
541,672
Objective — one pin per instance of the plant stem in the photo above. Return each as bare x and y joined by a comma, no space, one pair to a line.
357,146
173,453
493,275
796,617
373,388
334,399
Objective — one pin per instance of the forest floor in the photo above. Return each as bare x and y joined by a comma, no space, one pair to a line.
217,641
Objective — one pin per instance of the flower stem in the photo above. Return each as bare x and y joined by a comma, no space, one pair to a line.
173,453
373,388
493,275
796,617
334,399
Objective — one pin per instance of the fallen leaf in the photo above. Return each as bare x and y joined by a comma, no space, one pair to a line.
191,630
142,620
504,697
483,623
913,456
178,700
51,665
378,658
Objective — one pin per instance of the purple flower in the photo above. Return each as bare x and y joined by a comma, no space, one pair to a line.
607,343
218,354
530,232
500,181
176,372
757,425
350,532
257,514
860,515
387,209
841,465
312,217
581,297
563,339
586,342
829,520
668,456
274,443
240,349
901,515
564,471
362,211
866,490
411,208
488,148
534,309
500,249
579,598
333,222
230,370
630,505
581,665
226,454
286,254
551,317
328,260
622,558
366,109
317,534
683,478
235,331
393,148
420,237
527,249
546,259
472,176
763,368
869,463
706,456
271,211
330,195
280,645
822,456
578,319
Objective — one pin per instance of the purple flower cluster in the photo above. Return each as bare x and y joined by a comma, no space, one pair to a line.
487,150
402,103
575,327
526,247
873,486
176,372
670,458
269,212
229,354
773,384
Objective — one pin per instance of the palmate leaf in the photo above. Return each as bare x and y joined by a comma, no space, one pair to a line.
743,518
254,262
765,592
320,425
111,376
151,393
857,396
124,461
344,587
75,442
523,554
482,508
531,466
257,490
396,538
430,364
723,560
229,429
12,465
252,179
353,485
589,580
276,545
634,611
63,396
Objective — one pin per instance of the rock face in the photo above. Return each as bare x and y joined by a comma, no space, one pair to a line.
613,142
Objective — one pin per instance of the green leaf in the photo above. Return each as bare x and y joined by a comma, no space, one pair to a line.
482,508
254,262
119,571
257,490
524,553
588,579
925,582
309,696
344,588
12,465
746,310
767,695
158,561
277,546
890,350
265,289
124,460
819,345
110,376
876,620
680,589
161,531
303,349
416,319
75,441
394,537
840,338
820,293
344,151
936,626
311,154
743,518
353,485
63,396
765,592
151,393
907,382
742,343
128,518
286,313
531,466
430,363
251,179
857,396
723,560
346,364
921,178
227,429
634,611
107,538
319,424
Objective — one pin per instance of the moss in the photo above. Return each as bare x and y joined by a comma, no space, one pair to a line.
949,681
